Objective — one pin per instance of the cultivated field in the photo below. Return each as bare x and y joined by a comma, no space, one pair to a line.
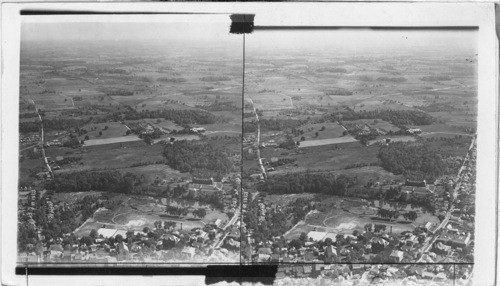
321,142
104,141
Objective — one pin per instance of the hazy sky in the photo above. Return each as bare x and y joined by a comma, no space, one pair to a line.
217,30
363,40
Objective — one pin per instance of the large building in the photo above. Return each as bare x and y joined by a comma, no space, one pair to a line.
417,189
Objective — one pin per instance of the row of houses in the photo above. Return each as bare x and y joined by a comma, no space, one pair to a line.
29,139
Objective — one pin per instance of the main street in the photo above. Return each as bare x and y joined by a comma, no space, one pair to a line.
41,141
425,248
219,240
258,140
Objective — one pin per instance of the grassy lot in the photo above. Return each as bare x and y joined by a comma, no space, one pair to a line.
166,124
30,166
53,102
285,199
328,157
151,172
115,129
71,198
270,101
109,156
332,130
381,124
394,138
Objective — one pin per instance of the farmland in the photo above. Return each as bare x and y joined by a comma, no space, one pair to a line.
357,139
97,119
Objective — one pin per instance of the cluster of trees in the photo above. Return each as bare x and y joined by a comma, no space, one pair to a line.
69,160
394,214
396,117
29,126
214,199
275,225
412,160
272,124
338,91
277,221
377,227
289,144
188,156
282,161
219,106
112,71
166,224
171,79
27,115
296,183
180,117
55,124
115,91
200,212
215,78
436,78
149,137
177,211
248,114
64,221
185,130
334,70
365,138
392,79
73,142
183,211
438,107
365,78
103,181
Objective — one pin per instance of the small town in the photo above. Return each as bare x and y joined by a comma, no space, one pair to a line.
167,240
329,158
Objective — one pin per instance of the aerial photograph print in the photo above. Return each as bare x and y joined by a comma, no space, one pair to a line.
130,142
341,155
359,154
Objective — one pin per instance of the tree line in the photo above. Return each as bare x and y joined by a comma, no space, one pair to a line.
412,160
399,118
296,183
103,181
55,124
180,117
272,124
219,106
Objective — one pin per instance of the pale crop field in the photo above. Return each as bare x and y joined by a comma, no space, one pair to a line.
320,142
